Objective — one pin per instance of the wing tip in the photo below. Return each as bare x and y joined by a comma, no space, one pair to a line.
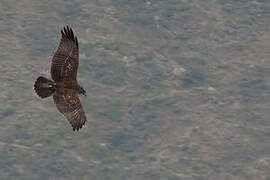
78,126
67,32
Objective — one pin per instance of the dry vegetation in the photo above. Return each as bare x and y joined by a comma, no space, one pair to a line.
176,89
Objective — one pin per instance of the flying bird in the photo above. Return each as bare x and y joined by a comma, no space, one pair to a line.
64,86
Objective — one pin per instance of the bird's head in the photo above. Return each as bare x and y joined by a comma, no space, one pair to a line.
82,91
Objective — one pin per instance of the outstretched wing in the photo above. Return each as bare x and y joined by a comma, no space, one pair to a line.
68,103
65,61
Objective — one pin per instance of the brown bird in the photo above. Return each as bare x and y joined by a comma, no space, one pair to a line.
64,85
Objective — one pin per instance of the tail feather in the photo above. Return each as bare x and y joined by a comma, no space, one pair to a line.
44,87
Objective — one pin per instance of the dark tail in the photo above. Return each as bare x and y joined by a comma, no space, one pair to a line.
44,87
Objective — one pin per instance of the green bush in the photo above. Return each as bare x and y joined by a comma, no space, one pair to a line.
193,77
8,110
115,110
124,142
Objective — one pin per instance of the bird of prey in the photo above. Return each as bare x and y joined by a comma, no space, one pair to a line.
64,86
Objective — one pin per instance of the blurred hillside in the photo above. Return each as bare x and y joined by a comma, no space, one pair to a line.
176,89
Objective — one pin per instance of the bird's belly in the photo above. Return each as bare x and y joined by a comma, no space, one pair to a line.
67,85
